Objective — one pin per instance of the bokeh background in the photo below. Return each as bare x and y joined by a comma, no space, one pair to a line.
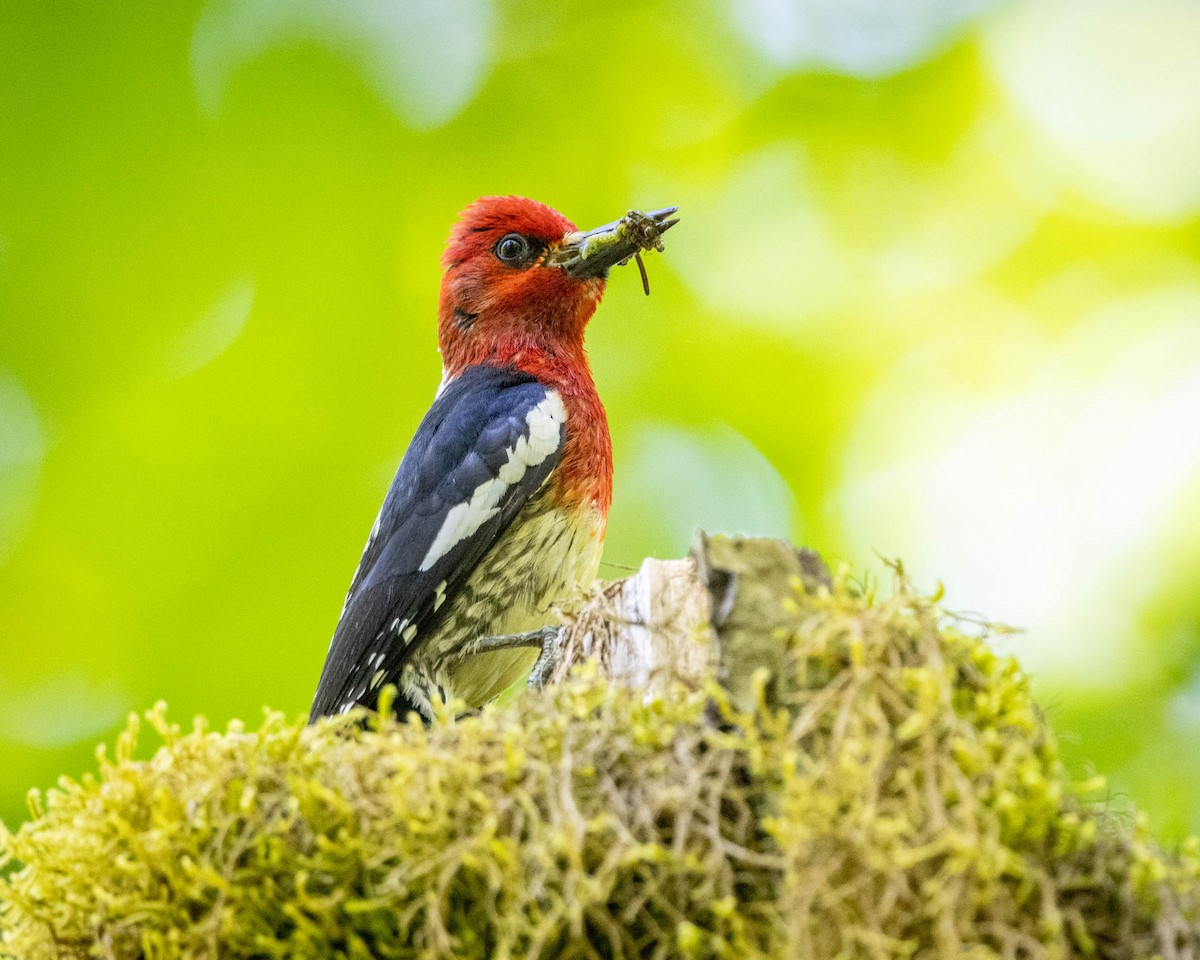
936,295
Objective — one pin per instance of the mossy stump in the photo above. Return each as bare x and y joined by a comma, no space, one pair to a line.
877,784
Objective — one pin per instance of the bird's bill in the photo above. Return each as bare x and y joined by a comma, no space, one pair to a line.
592,253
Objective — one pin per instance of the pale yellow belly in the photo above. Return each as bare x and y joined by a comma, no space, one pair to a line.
546,560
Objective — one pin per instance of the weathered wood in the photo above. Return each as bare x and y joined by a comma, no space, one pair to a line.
688,620
644,631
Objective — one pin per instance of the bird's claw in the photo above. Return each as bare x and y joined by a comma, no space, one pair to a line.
544,639
547,663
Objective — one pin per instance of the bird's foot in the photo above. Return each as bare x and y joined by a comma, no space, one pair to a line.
547,663
545,639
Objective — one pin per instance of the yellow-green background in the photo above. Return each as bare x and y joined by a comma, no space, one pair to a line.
936,294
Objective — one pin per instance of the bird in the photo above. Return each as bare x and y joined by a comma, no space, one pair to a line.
499,506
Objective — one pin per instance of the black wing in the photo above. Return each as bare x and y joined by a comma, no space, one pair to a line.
491,439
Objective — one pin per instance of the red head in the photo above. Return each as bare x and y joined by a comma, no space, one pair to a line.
502,301
521,282
501,298
520,286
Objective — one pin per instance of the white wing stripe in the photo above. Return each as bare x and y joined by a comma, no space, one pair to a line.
466,518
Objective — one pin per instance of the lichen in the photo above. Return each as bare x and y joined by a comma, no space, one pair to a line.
898,795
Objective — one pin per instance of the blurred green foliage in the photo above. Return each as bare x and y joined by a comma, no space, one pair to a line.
934,294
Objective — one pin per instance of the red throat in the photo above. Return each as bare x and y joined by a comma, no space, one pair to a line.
533,320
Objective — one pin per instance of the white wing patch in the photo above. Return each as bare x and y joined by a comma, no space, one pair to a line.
545,421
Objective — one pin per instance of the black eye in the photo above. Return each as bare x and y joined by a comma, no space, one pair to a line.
513,249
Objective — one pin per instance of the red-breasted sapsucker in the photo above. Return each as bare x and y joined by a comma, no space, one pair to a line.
499,506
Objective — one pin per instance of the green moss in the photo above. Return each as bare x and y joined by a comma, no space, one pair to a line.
901,796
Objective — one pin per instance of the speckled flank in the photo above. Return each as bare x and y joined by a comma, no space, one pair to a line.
545,558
